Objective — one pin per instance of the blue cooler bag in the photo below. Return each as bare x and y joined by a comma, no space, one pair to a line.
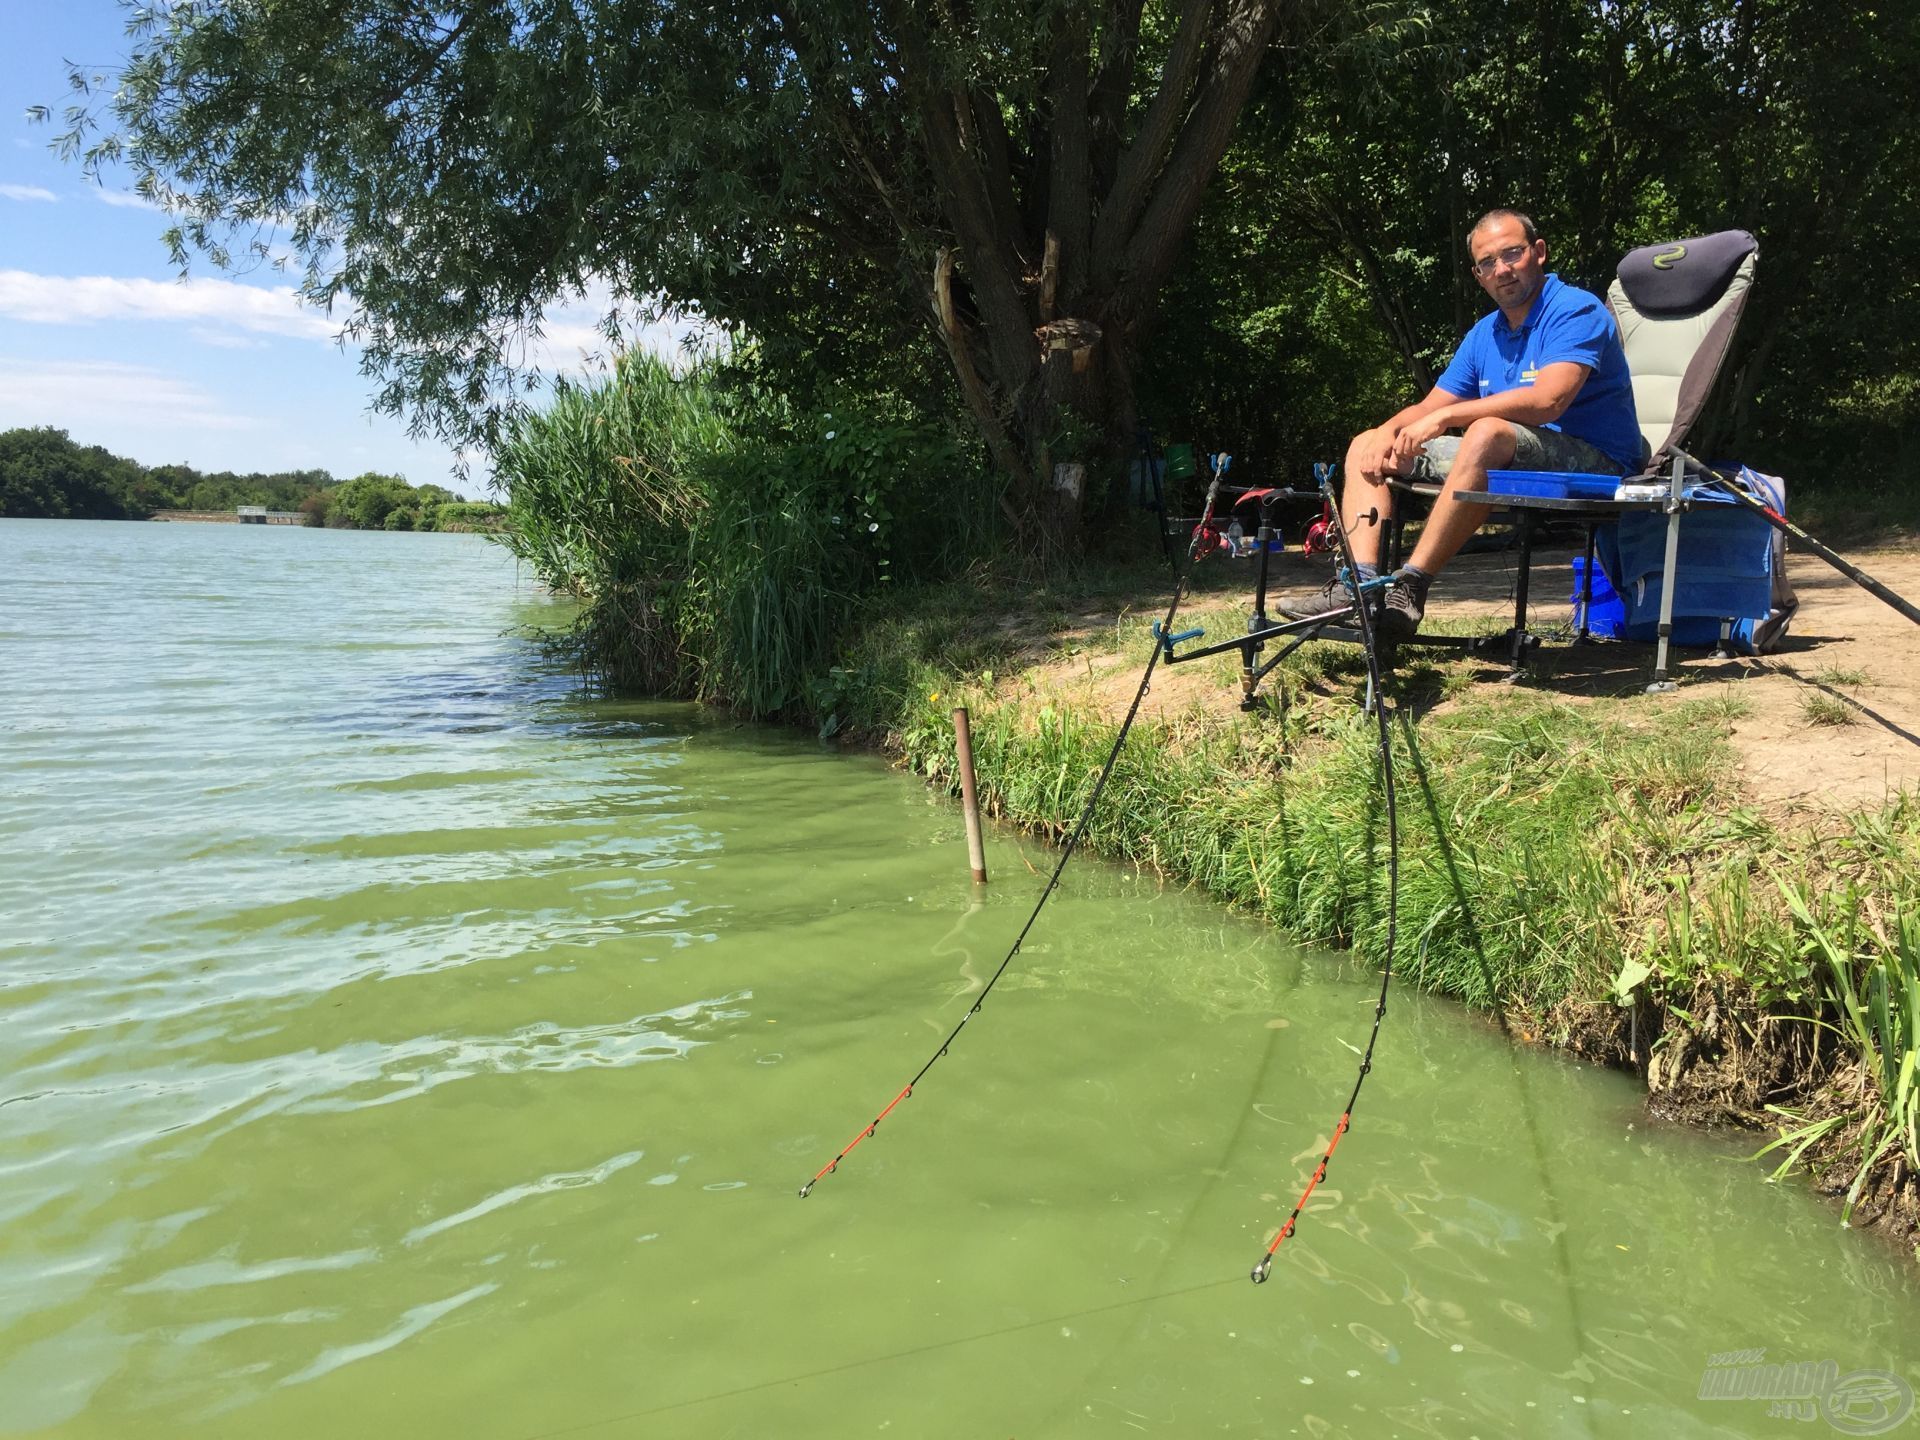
1606,611
1731,567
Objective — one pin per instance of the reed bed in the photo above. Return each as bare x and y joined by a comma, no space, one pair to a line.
720,541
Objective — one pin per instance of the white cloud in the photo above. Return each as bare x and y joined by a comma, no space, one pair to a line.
227,313
84,395
126,199
572,341
86,299
27,192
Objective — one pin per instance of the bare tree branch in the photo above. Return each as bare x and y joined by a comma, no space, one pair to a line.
953,331
1113,87
1143,159
1241,46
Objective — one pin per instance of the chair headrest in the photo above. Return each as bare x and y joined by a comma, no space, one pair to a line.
1684,277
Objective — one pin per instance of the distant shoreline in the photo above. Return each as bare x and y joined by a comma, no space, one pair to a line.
211,517
215,517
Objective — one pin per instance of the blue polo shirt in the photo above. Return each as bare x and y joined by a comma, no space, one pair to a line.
1565,323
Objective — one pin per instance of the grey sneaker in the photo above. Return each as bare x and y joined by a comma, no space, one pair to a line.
1300,603
1405,608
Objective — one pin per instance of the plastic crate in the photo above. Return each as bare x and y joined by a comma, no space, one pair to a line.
1555,484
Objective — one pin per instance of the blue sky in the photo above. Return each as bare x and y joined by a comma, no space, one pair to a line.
100,337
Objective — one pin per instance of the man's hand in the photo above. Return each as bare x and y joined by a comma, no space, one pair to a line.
1414,434
1376,447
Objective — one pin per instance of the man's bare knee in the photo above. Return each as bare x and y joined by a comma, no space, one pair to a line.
1487,442
1361,463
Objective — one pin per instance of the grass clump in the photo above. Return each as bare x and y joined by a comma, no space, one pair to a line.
1870,1113
1849,676
1820,708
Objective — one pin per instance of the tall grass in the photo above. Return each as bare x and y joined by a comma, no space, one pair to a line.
1525,828
720,540
1871,981
604,503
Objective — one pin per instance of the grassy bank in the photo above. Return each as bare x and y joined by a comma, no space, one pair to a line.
1588,869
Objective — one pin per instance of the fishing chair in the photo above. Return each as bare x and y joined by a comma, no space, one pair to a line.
1677,306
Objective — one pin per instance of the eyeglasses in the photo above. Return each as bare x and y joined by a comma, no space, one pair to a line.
1484,266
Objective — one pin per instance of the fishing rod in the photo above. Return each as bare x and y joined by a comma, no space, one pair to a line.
1738,489
1163,644
1369,641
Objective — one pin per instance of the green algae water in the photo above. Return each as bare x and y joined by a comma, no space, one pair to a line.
395,1040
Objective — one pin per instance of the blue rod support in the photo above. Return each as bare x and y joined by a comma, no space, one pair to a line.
1167,642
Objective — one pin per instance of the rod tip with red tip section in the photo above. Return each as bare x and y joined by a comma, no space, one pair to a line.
1261,1271
806,1189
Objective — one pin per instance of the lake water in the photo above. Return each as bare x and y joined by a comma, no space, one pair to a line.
396,1040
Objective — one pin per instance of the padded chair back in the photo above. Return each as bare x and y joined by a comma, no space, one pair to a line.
1677,306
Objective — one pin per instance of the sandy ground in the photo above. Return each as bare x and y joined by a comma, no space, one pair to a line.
1846,655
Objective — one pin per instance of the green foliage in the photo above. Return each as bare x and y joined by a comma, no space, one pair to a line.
720,538
457,515
796,176
368,502
43,473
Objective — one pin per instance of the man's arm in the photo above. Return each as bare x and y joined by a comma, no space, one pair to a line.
1433,400
1540,403
1384,438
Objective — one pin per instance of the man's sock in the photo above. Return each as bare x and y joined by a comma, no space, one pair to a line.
1416,578
1366,570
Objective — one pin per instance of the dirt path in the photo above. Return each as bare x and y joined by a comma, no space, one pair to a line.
1832,719
1858,652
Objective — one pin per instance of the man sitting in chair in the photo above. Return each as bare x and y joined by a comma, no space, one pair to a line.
1539,384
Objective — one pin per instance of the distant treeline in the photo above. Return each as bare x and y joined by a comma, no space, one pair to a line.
44,474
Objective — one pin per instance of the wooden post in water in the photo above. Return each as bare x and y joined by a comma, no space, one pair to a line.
969,797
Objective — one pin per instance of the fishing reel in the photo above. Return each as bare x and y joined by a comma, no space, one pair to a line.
1319,539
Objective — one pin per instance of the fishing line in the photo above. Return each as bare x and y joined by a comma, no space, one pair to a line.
1556,1226
1377,699
1163,643
907,1354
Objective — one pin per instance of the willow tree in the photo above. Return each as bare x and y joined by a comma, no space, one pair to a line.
1013,180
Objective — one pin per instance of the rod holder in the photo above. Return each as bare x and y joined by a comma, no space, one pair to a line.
1167,642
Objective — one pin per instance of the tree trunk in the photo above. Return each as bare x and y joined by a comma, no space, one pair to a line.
1056,257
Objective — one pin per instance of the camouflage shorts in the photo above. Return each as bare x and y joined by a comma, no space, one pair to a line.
1532,450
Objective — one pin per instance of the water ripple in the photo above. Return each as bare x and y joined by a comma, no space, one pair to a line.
410,1324
513,1194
